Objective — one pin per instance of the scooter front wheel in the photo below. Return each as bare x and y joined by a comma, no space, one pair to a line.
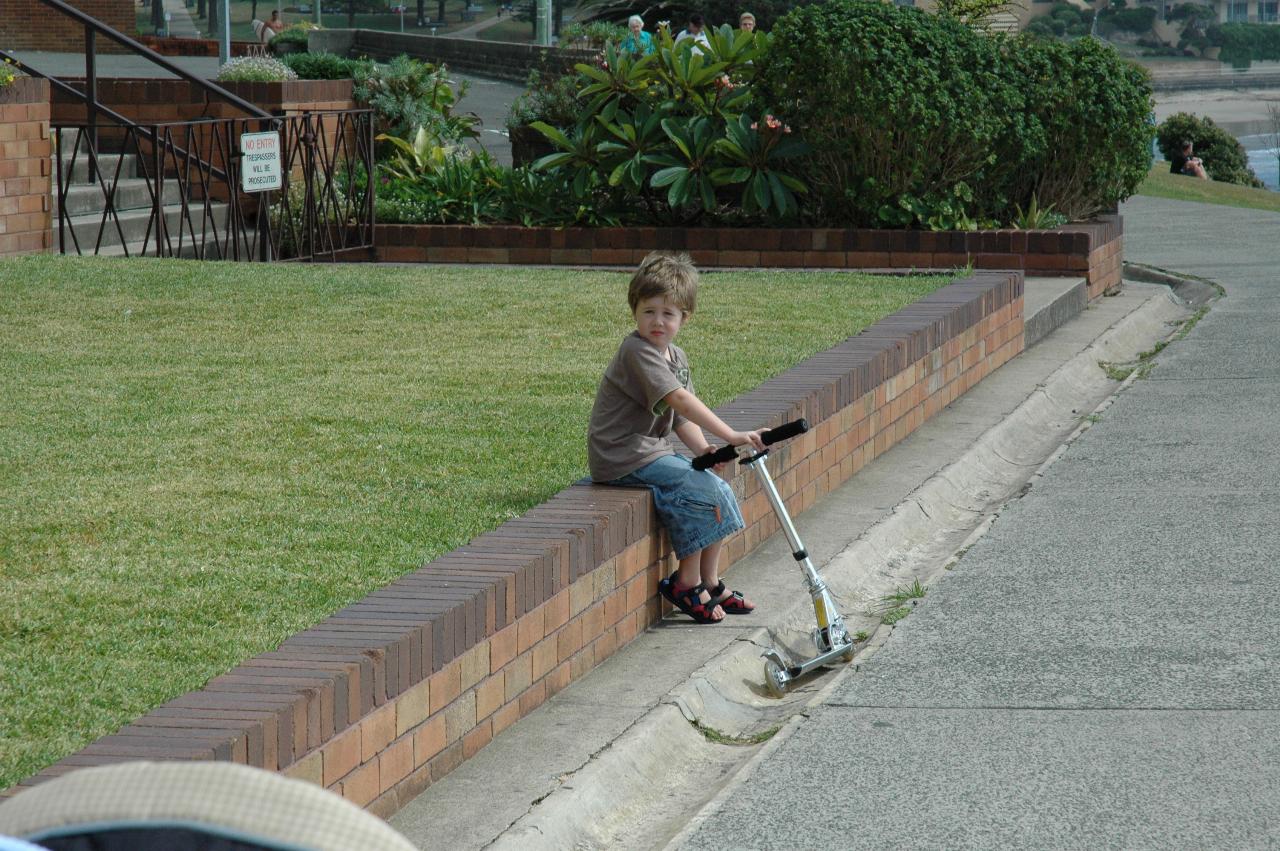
776,678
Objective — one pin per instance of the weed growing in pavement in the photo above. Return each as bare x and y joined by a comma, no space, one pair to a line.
861,635
1116,372
892,616
914,591
1190,322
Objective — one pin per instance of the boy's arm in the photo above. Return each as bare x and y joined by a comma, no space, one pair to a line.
691,408
692,436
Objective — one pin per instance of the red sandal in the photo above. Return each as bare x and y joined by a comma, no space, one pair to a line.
732,602
689,600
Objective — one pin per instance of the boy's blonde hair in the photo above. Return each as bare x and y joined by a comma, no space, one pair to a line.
671,276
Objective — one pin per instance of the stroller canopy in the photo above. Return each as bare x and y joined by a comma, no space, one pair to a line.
190,806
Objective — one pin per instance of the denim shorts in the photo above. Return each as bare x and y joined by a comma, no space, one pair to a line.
697,507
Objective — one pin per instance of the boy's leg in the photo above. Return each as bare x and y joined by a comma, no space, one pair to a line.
709,564
689,574
709,570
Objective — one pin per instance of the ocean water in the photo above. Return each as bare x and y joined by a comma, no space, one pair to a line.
1262,159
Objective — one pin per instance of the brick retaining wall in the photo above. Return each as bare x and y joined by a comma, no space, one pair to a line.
162,101
395,691
1091,249
25,179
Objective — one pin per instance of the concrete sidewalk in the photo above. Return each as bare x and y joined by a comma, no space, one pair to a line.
1103,668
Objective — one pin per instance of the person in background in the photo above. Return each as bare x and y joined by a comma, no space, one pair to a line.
275,24
694,31
638,41
1185,162
747,22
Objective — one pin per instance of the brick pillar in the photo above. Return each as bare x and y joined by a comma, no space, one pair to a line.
25,167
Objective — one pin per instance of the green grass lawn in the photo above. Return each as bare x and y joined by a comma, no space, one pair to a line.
1161,184
511,30
200,459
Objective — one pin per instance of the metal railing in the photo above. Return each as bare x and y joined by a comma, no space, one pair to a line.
191,172
177,190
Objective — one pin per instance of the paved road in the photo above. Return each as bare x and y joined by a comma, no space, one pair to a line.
1102,670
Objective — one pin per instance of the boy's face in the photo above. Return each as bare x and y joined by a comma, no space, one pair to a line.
658,320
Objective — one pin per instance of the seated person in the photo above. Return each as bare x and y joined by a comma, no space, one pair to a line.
638,41
275,25
1184,162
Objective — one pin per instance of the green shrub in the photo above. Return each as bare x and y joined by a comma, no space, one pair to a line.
1224,157
1066,13
548,97
7,74
1086,136
255,69
1041,27
406,94
294,34
594,34
677,132
1244,43
917,120
903,110
1138,19
323,66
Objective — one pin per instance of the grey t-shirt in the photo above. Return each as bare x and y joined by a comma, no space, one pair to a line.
630,422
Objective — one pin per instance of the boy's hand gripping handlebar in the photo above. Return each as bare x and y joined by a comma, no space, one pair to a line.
728,453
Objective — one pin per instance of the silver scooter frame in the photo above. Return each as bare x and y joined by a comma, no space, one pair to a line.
830,637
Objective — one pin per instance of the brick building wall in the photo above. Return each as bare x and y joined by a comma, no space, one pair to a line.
24,167
30,25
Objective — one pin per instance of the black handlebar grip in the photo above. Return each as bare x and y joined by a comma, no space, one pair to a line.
770,437
795,428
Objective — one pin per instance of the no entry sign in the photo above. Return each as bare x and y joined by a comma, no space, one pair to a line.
260,164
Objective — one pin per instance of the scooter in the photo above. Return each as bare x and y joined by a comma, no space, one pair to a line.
831,638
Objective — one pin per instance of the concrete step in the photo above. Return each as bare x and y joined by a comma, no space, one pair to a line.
94,236
130,194
107,164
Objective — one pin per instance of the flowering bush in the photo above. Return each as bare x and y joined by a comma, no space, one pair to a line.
255,69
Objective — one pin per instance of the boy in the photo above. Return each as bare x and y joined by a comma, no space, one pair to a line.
644,396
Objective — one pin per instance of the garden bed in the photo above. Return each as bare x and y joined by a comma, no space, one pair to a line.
398,688
1092,250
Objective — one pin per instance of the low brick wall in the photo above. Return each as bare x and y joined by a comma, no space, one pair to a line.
25,179
487,58
1091,249
176,46
153,101
392,693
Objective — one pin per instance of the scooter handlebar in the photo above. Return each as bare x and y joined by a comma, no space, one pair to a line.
770,437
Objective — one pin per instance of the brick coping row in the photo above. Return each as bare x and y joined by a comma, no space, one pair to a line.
393,692
1091,249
